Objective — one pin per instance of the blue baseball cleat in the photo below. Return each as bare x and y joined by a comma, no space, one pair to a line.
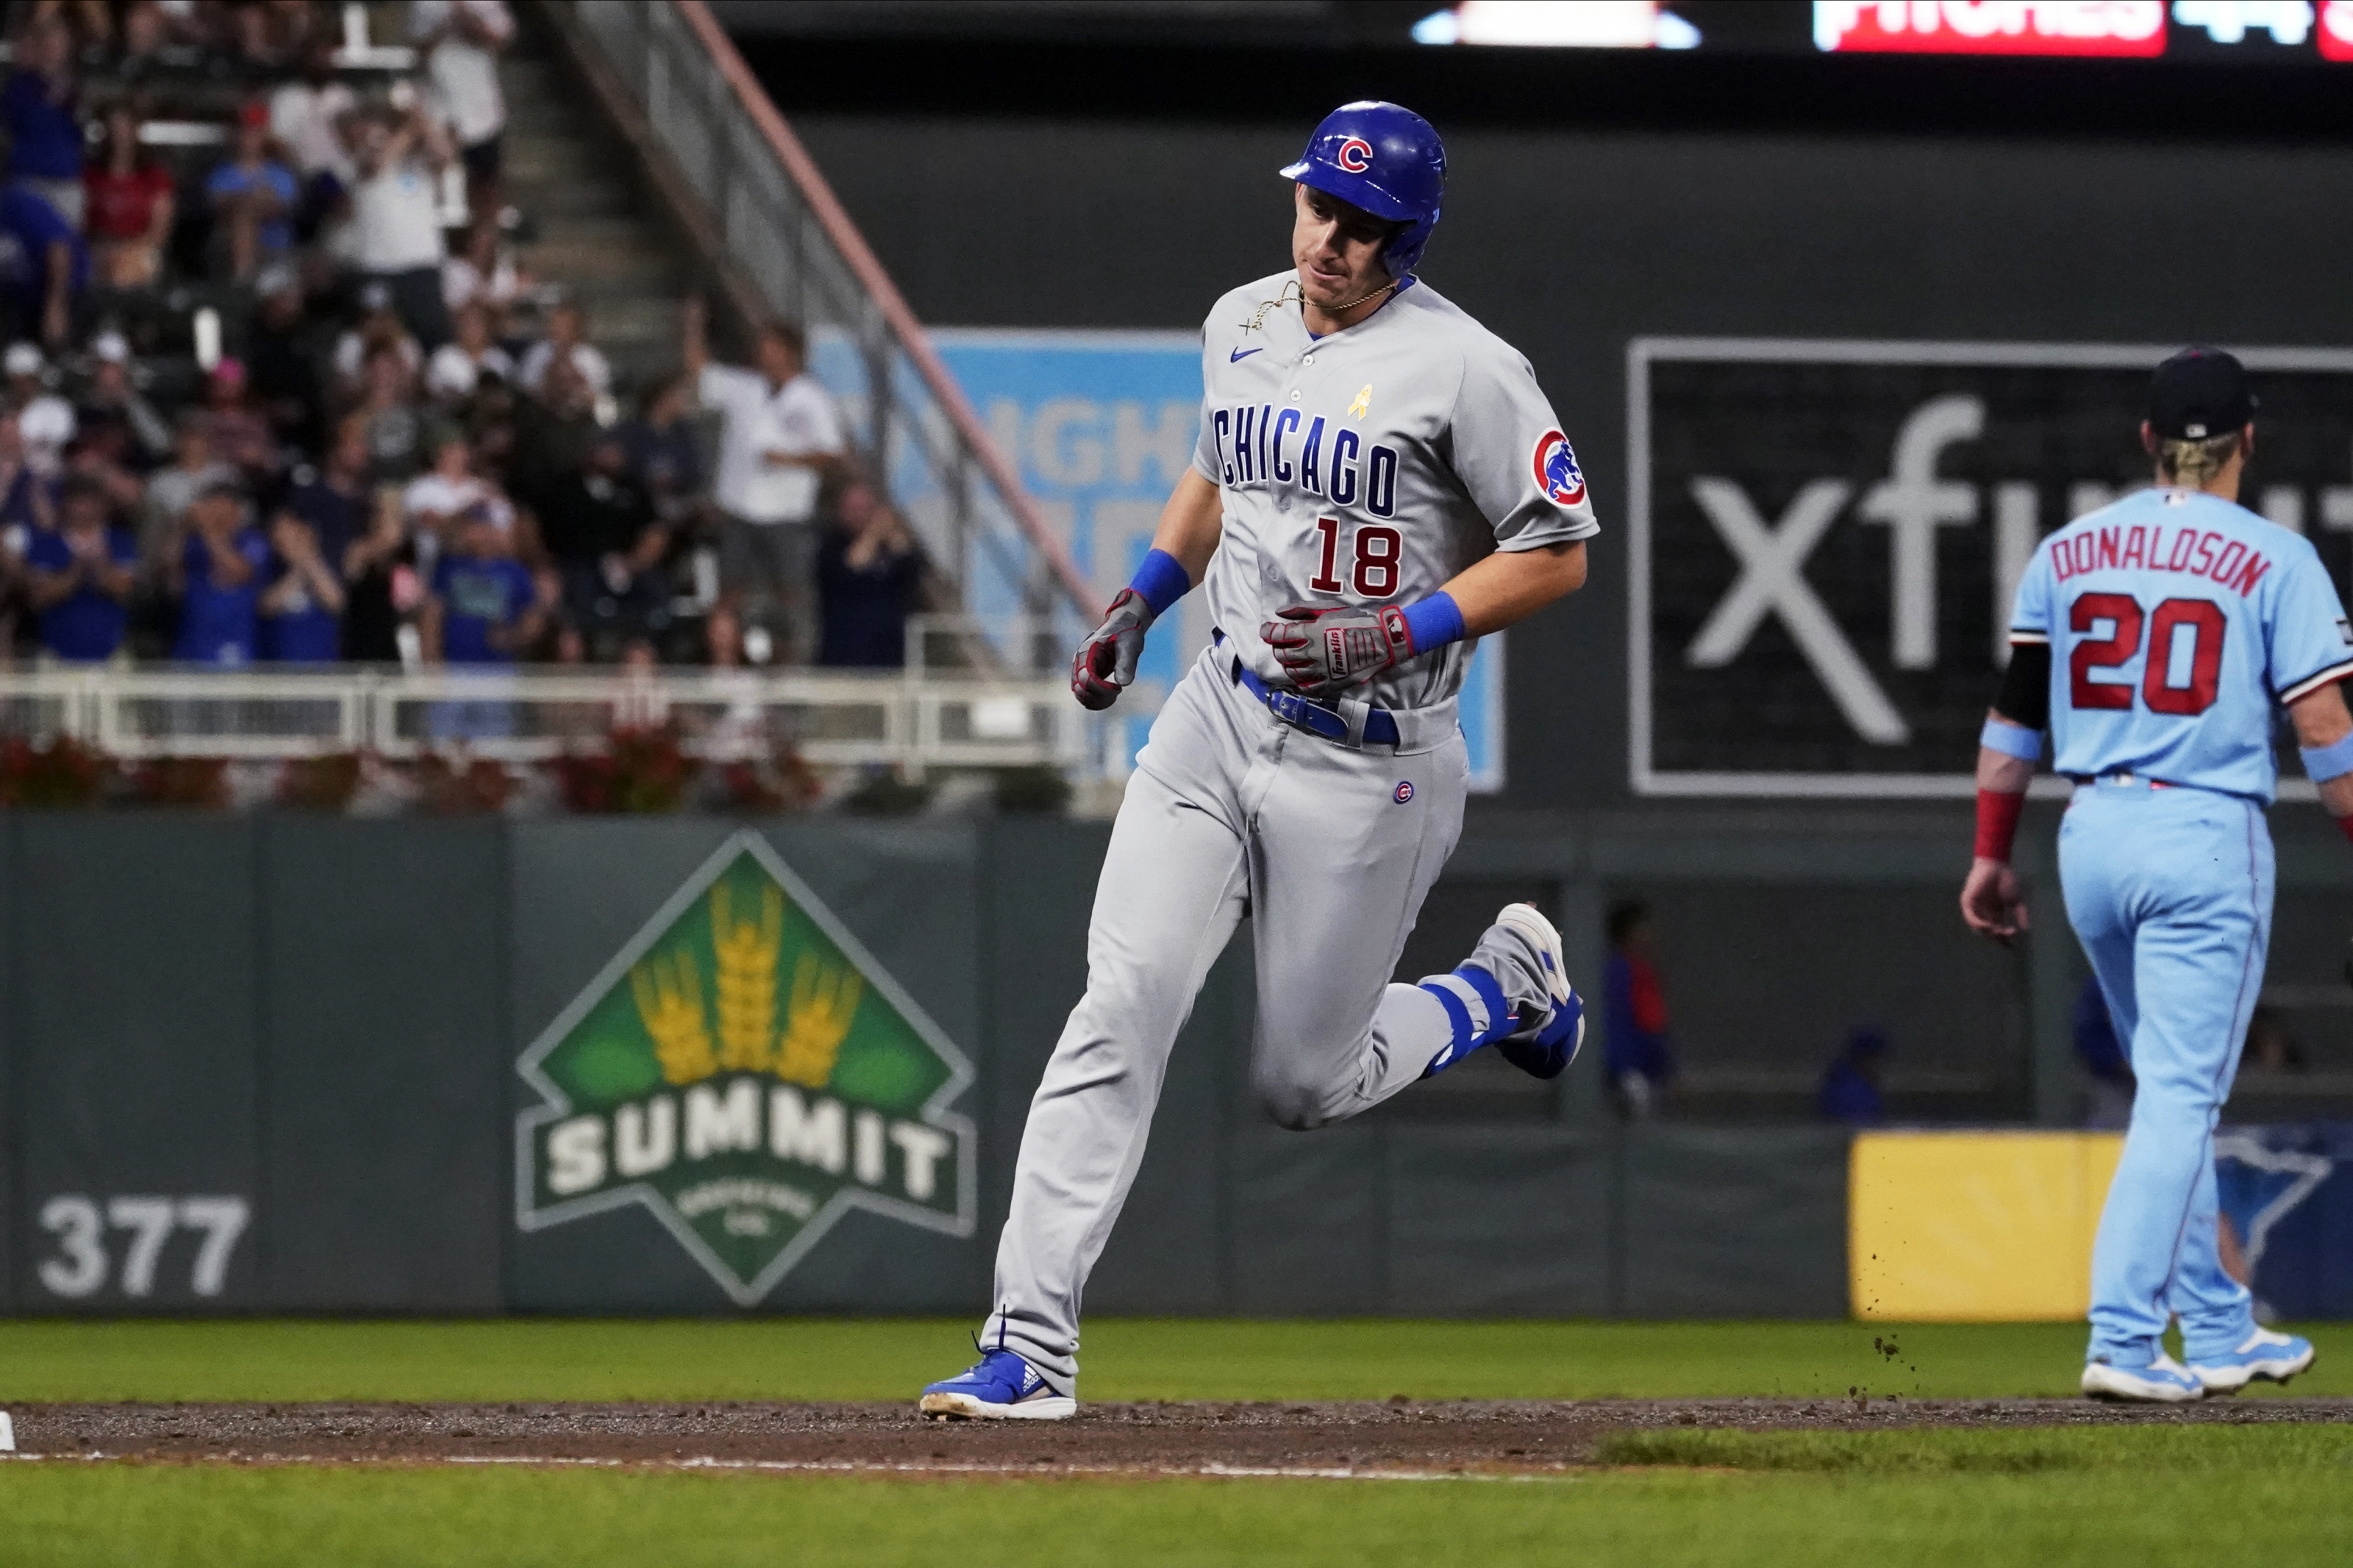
2164,1380
1548,1051
1002,1387
2267,1356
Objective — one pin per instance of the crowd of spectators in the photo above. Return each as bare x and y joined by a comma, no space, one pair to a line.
276,390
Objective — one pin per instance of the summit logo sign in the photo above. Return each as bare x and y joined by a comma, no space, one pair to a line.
747,1070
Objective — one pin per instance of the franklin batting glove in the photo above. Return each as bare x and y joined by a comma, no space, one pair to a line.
1327,651
1106,660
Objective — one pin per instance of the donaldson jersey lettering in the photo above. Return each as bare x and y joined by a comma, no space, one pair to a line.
2176,621
1371,466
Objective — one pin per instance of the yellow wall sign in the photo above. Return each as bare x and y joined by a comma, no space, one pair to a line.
1984,1227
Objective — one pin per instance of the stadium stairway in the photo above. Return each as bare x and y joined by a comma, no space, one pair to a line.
588,229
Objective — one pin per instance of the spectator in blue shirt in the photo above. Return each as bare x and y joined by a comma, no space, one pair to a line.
336,504
81,576
1635,1045
43,268
42,111
1851,1091
868,576
253,197
485,606
302,609
217,579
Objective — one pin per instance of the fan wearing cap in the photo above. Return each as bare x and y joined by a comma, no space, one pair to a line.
46,420
2157,640
253,197
110,398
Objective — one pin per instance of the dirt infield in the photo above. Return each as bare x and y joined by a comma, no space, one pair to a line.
1355,1438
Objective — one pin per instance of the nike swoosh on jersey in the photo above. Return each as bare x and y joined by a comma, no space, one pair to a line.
1239,355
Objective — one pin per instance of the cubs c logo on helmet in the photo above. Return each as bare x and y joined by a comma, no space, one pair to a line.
1355,155
1557,474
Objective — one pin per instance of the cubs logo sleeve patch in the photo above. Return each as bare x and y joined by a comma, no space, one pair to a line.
1557,474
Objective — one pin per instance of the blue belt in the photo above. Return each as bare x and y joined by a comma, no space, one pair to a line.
1296,710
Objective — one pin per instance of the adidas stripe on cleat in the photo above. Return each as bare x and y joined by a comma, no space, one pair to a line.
1000,1387
1555,1044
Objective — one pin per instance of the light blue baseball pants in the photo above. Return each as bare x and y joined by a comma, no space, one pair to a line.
2170,893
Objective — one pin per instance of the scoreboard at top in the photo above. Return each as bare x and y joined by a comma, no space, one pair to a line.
2211,31
2125,28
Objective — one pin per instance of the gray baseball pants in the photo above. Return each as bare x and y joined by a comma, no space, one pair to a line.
1230,812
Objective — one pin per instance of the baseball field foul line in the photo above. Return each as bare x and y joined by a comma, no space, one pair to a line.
826,1467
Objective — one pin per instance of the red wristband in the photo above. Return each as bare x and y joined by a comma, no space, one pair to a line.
1998,816
2344,825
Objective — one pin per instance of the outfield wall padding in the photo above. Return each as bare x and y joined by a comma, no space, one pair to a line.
288,1044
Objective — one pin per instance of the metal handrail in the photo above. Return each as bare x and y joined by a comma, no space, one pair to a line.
769,205
912,721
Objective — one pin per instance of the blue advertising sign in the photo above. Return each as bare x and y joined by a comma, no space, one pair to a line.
1100,425
2286,1196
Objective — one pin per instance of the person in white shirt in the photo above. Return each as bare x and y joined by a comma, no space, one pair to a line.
460,41
395,234
379,326
483,273
567,334
779,436
460,363
446,497
44,419
173,489
304,114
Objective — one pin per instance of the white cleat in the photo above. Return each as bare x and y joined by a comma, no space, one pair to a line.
1556,1041
2266,1356
1530,923
2164,1380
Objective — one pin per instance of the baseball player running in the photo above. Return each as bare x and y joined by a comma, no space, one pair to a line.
2153,638
1378,482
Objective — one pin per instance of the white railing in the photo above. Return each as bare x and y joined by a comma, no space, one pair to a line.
914,721
761,198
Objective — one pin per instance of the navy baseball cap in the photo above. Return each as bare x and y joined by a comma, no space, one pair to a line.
2199,394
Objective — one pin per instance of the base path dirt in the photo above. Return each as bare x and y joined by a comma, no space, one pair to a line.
1357,1438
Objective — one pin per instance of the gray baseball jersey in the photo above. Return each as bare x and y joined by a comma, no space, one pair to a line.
1365,467
1371,466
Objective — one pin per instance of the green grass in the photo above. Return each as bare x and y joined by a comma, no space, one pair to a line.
785,1358
2182,1451
2237,1504
2054,1495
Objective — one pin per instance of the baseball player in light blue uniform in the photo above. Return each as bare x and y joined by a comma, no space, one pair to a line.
1378,481
2158,639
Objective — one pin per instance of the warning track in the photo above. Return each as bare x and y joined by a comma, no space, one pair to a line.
1398,1439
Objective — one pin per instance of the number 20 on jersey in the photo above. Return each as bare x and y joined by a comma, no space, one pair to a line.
2199,620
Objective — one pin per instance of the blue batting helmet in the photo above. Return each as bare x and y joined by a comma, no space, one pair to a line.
1386,160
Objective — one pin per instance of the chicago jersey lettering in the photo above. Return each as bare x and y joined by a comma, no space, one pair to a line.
1372,466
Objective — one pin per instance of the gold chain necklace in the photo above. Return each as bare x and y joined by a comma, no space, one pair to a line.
1292,291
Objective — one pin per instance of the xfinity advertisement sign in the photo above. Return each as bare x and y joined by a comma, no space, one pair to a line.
1826,537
